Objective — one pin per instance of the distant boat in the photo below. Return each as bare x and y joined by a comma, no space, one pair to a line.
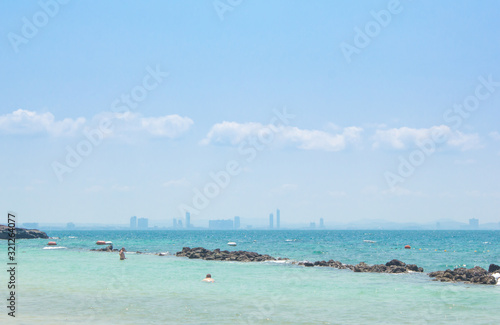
369,241
289,240
231,243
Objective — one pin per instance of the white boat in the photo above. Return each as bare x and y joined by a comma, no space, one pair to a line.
231,243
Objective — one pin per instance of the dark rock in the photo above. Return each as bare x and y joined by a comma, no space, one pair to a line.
218,255
308,264
395,262
476,275
22,233
493,268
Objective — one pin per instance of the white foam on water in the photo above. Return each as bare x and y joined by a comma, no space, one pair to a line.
59,247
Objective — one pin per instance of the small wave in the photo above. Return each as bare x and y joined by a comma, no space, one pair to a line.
59,247
369,241
279,261
289,240
72,237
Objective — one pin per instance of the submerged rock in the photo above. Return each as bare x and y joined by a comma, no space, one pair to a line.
108,248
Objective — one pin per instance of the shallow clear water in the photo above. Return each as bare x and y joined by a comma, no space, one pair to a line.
77,286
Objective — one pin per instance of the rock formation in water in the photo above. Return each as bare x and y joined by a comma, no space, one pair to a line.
474,275
218,255
394,266
22,233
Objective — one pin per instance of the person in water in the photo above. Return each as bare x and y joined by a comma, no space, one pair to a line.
122,253
208,279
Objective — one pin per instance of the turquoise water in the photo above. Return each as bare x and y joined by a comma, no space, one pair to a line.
77,286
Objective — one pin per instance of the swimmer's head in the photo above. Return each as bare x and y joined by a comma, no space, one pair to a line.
209,275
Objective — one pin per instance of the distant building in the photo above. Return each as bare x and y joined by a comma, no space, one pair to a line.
220,224
321,223
174,223
188,220
179,223
474,223
70,225
236,222
312,225
277,218
30,225
133,222
142,223
271,223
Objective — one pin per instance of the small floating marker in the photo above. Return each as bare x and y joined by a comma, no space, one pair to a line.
475,251
407,247
420,249
51,243
445,250
101,242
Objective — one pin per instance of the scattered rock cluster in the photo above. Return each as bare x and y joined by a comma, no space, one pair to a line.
218,255
108,248
474,275
394,266
22,233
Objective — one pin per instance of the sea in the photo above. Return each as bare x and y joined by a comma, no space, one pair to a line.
74,285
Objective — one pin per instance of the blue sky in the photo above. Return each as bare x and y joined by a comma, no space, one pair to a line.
346,111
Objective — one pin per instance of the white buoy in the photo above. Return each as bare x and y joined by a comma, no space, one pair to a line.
231,243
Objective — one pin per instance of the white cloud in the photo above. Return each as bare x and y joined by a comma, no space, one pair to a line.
477,194
337,194
495,135
123,124
405,137
289,187
401,191
121,188
464,162
176,182
233,133
30,122
170,126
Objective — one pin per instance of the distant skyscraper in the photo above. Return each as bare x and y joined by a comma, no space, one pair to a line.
133,222
277,218
179,223
142,223
236,222
312,225
174,223
321,223
70,225
271,223
188,220
474,223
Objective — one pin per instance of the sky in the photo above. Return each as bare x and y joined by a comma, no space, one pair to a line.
339,110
